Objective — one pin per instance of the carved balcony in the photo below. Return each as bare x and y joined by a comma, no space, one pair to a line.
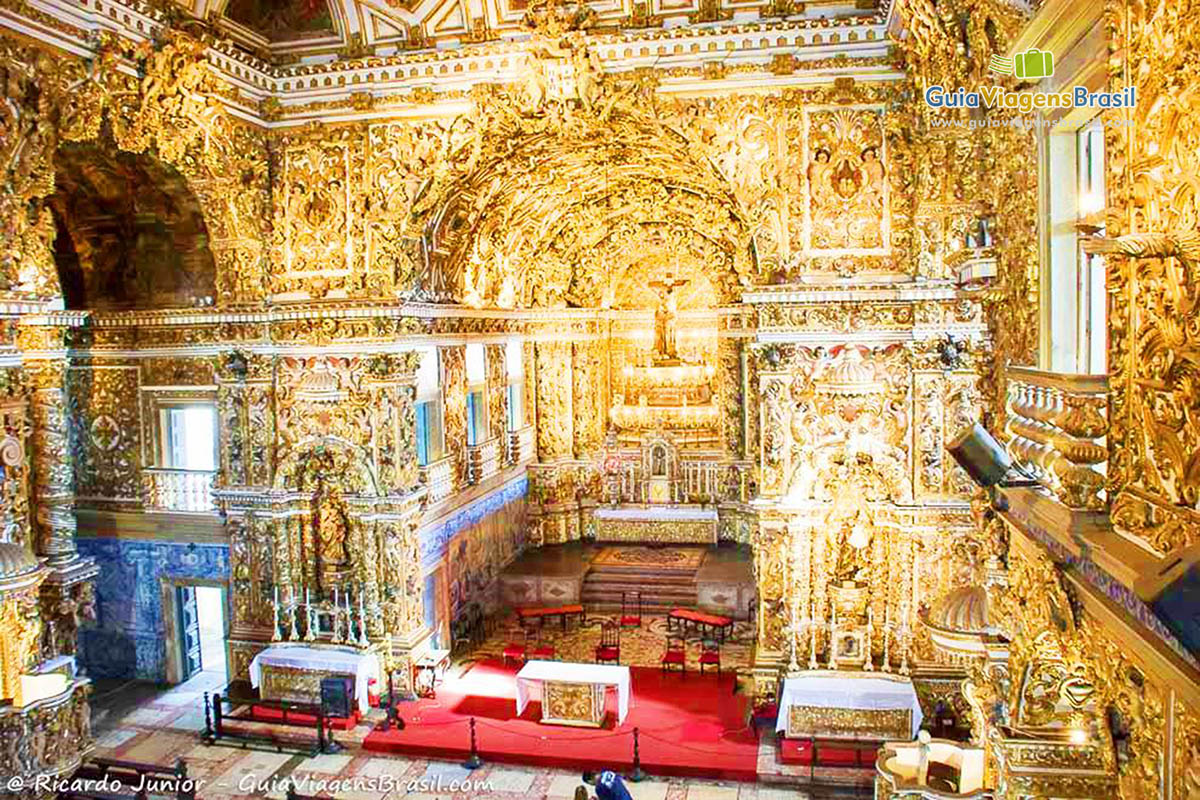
1057,425
521,443
166,489
438,478
932,769
483,460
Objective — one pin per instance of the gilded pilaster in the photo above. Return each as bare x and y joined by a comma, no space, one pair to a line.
554,395
497,392
586,406
454,396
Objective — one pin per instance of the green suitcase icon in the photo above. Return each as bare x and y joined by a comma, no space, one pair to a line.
1034,63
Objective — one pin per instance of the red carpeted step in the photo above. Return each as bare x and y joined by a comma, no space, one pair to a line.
692,726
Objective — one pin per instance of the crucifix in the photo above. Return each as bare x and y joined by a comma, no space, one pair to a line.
664,316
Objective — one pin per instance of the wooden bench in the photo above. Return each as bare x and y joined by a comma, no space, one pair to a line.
541,614
858,746
216,728
141,779
683,617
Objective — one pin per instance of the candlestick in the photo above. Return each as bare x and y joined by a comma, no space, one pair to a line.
276,633
832,660
868,662
794,633
362,620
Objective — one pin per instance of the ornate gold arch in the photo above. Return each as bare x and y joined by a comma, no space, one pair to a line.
580,210
168,108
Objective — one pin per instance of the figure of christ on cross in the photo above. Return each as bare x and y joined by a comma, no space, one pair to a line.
664,316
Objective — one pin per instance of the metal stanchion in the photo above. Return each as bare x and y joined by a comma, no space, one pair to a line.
473,760
637,774
207,736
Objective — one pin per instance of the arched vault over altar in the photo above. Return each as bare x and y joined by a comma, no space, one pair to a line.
581,207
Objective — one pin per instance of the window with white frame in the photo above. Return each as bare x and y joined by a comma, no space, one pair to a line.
189,439
1074,293
476,394
430,433
514,371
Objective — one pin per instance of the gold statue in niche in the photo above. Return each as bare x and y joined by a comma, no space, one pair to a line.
332,532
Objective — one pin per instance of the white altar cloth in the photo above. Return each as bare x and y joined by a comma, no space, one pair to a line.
360,666
830,691
680,513
535,672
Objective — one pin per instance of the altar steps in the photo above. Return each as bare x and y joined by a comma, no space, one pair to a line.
662,590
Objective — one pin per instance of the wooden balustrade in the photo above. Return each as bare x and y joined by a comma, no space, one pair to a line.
521,444
178,489
438,477
483,460
1057,426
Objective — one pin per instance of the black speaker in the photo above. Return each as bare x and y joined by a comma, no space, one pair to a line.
1173,593
337,694
980,455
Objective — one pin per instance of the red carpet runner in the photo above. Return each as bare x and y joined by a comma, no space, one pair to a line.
690,726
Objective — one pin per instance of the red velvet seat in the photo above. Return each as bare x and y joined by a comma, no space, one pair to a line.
542,651
514,651
676,655
609,648
710,656
631,609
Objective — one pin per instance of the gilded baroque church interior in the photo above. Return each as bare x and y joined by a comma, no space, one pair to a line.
368,367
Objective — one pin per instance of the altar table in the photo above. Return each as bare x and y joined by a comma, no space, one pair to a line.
294,672
849,705
573,694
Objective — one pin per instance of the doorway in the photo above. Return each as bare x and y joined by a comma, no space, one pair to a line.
201,626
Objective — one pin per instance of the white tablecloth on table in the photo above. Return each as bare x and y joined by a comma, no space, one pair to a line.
830,691
535,672
360,666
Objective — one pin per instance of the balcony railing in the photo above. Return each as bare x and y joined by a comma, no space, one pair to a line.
178,489
438,477
1057,426
521,444
483,460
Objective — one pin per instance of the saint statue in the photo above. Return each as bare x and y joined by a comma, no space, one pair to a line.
331,533
665,316
851,542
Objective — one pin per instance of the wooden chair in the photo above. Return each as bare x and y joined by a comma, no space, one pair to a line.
516,648
675,655
609,648
710,655
539,650
631,609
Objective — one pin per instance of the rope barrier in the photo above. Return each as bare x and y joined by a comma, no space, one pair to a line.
593,738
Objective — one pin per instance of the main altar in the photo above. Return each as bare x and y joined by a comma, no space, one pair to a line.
573,694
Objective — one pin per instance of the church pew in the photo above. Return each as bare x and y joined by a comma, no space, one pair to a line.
217,729
140,779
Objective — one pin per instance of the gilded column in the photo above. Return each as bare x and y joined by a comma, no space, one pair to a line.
554,395
454,393
729,394
497,392
776,452
68,594
585,399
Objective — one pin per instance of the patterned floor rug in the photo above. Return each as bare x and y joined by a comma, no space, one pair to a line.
682,558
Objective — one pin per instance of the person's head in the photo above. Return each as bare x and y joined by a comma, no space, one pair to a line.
589,778
581,793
